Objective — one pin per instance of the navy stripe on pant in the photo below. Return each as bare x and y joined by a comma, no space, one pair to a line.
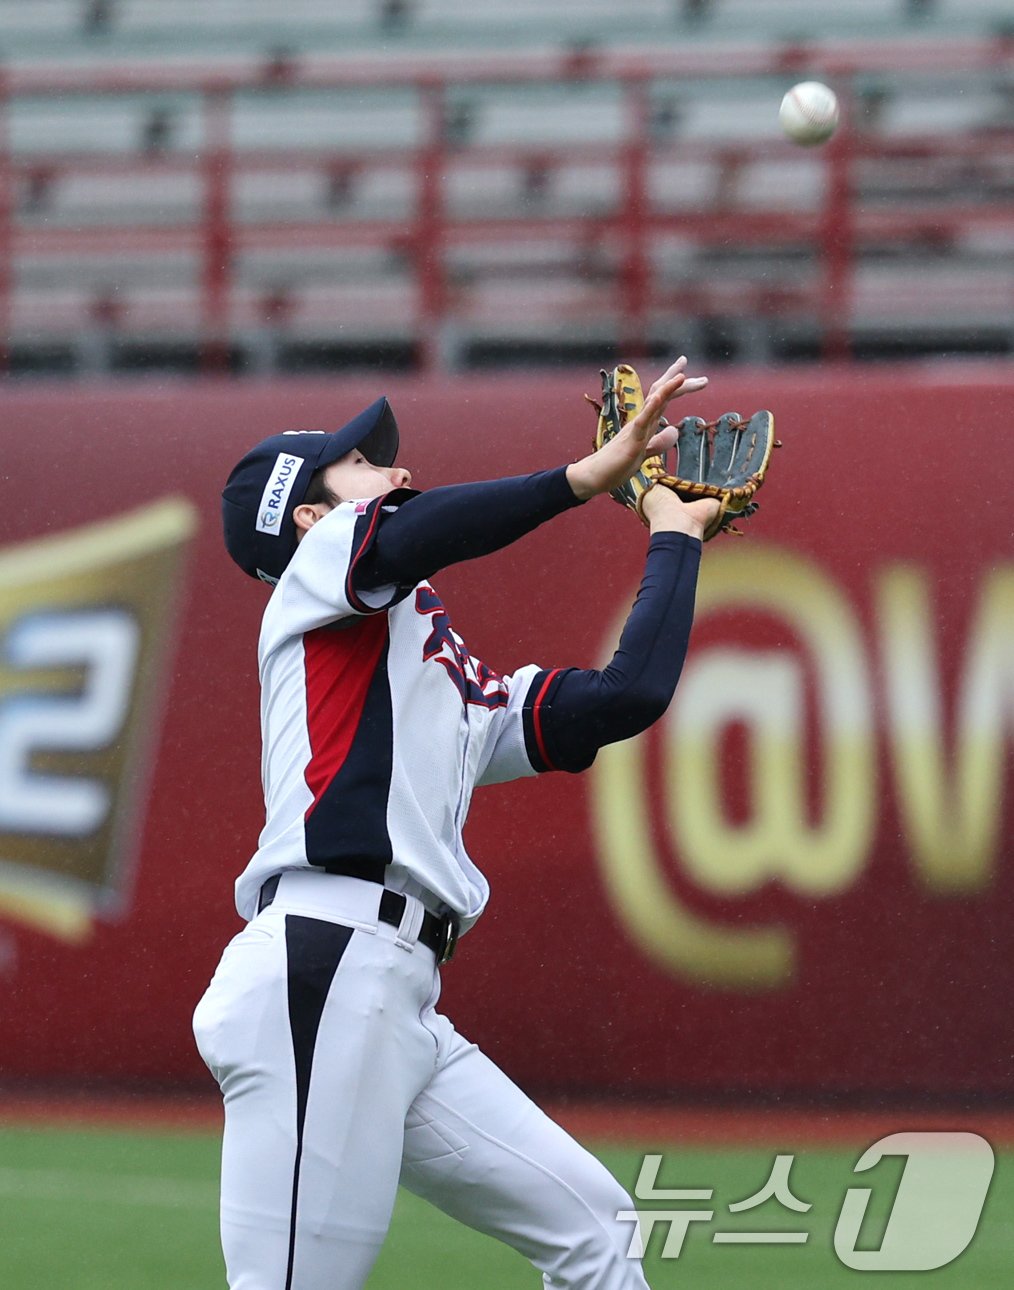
314,949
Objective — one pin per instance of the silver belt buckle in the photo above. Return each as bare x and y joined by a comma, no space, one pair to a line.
450,940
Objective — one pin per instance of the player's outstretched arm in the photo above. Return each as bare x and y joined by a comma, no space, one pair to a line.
446,525
571,713
456,522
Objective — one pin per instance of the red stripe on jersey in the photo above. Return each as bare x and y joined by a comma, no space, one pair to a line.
340,663
537,718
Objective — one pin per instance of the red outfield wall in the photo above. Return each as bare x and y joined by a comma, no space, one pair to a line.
800,881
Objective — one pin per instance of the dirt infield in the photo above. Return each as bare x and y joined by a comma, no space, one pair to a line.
618,1122
742,1127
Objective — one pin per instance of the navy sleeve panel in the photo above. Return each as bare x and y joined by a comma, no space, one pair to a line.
364,538
443,526
571,713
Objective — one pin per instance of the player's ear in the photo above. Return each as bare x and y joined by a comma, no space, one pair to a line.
306,515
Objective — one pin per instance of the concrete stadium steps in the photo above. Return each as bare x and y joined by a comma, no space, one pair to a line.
367,123
552,282
158,193
91,29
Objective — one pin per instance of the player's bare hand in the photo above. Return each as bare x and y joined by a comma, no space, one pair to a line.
667,513
642,436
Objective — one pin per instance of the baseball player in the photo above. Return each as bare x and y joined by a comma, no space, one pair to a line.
340,1077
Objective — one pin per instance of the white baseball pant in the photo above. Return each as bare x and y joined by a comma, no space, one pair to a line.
340,1080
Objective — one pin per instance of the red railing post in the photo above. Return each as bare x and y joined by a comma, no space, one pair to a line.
430,228
635,284
216,164
6,228
837,239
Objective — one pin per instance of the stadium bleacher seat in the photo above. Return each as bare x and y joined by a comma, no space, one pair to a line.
90,123
345,170
96,29
367,120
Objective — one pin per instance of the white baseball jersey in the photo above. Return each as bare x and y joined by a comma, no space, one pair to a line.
377,725
340,1078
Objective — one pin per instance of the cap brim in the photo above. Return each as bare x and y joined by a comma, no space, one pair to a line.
374,432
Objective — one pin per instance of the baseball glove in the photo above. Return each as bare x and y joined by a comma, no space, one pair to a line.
724,459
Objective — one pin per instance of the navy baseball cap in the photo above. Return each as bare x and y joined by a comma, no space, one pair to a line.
269,483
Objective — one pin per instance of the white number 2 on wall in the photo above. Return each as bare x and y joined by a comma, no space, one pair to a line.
103,643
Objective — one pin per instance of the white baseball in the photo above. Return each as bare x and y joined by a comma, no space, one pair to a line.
809,113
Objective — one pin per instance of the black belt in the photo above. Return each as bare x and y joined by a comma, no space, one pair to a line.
439,932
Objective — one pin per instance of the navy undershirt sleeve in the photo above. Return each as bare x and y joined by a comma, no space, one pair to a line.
443,526
571,713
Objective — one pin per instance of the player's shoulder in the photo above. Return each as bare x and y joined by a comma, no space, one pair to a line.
340,518
347,521
329,540
314,575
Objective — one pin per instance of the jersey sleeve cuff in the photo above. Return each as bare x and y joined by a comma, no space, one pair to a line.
560,491
537,725
675,542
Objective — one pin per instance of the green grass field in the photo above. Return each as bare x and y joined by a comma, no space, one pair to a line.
93,1209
